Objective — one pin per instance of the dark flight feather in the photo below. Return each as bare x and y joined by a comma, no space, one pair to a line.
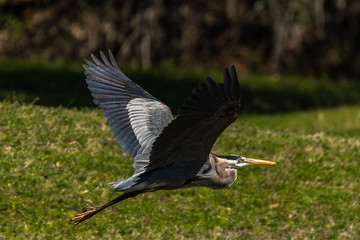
205,114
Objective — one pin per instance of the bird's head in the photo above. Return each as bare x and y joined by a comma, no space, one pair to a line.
240,162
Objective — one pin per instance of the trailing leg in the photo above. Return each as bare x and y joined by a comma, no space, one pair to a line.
88,212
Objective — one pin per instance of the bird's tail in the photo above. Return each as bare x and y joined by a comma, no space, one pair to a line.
125,185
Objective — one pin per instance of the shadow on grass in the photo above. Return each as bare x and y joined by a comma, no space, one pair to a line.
64,85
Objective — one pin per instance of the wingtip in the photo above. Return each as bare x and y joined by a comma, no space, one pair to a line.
210,82
227,78
233,69
88,64
102,54
235,80
233,75
104,62
105,59
86,61
95,59
85,66
112,60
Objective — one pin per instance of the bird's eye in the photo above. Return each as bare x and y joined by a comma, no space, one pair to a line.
241,159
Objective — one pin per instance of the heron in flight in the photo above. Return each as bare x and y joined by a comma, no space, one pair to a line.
168,153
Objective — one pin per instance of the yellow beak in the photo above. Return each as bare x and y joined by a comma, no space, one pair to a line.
251,162
243,161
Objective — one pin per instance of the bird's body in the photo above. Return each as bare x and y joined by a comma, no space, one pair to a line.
168,153
170,177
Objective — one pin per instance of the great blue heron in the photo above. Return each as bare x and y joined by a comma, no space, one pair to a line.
168,153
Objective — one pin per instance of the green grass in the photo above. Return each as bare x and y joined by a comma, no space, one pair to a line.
55,161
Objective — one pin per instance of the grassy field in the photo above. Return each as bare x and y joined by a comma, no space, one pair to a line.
55,161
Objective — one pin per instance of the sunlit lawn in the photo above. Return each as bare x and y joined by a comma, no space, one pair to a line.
55,161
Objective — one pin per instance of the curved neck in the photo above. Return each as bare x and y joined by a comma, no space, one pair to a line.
223,172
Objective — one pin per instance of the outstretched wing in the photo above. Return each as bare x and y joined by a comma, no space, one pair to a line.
187,140
136,118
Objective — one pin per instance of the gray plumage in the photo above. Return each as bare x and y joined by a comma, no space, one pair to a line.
168,153
136,118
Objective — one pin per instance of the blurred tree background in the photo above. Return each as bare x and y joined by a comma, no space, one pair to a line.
300,36
313,40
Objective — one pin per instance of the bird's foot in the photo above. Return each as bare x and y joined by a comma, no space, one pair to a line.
87,213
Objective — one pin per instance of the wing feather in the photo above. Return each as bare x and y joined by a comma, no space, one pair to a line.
136,118
187,141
